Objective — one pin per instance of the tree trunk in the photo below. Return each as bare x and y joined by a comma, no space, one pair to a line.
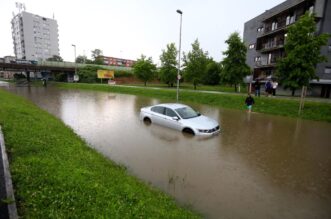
302,99
293,92
28,76
145,82
235,88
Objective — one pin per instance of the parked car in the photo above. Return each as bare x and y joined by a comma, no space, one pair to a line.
180,117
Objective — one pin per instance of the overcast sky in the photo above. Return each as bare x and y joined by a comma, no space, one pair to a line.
129,28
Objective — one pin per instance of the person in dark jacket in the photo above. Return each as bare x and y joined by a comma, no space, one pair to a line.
249,102
257,87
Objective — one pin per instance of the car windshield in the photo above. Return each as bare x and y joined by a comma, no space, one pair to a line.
187,112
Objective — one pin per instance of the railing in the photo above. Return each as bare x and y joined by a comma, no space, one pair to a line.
265,63
272,45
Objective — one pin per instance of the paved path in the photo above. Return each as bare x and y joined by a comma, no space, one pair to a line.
314,99
7,200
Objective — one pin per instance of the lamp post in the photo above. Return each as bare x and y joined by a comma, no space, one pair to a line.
75,59
180,41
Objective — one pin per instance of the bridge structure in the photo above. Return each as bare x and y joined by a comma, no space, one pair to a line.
50,67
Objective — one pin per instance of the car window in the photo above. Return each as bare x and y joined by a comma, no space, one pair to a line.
158,109
170,112
187,112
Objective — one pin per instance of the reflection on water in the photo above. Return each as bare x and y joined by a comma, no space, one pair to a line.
258,167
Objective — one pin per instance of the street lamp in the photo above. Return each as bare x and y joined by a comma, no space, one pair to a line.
75,59
180,41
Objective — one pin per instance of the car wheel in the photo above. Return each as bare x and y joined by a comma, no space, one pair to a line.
147,121
188,131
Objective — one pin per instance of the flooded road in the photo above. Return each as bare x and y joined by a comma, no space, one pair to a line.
260,166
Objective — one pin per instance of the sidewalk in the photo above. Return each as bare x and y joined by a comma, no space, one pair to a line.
7,200
313,99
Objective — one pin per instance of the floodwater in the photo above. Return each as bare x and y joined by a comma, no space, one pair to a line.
260,166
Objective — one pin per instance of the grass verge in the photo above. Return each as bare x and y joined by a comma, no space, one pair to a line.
187,86
275,106
56,174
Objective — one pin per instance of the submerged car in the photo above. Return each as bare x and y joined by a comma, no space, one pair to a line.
180,117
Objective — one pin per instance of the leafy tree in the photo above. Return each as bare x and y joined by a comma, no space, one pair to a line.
88,74
302,49
212,74
195,64
83,59
234,67
97,57
144,69
55,58
62,77
168,70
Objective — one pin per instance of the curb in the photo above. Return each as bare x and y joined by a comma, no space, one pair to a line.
12,210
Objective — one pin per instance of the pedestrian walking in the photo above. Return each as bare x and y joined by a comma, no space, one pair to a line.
249,102
257,87
268,88
274,87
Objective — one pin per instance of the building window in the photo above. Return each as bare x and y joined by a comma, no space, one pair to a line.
290,19
260,29
274,25
329,48
257,58
251,46
327,70
311,9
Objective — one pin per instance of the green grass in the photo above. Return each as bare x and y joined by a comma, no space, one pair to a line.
56,174
187,86
275,106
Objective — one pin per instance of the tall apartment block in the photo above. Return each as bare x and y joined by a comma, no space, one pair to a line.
35,37
265,36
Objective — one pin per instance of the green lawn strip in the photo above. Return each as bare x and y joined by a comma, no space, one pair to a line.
57,175
275,106
187,86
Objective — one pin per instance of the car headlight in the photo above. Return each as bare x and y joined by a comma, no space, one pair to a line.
203,130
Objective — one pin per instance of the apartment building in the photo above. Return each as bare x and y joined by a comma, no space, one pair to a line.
34,37
265,37
117,61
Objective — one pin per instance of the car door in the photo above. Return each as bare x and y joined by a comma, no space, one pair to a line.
157,115
170,121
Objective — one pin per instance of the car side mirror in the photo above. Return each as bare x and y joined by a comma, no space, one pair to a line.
175,118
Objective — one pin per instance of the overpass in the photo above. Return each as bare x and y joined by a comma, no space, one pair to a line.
55,67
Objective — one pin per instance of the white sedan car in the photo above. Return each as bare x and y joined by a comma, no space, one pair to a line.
179,117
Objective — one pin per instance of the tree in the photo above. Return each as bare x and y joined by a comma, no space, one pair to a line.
212,74
97,57
61,77
83,59
144,69
234,67
55,58
302,49
168,70
195,64
88,74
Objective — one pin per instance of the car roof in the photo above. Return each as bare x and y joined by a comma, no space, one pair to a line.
172,105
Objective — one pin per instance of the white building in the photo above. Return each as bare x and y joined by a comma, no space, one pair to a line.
35,37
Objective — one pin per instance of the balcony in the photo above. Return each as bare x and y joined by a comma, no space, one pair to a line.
265,64
269,31
271,46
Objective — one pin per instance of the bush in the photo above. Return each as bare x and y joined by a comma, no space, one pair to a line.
61,77
19,76
120,74
88,74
